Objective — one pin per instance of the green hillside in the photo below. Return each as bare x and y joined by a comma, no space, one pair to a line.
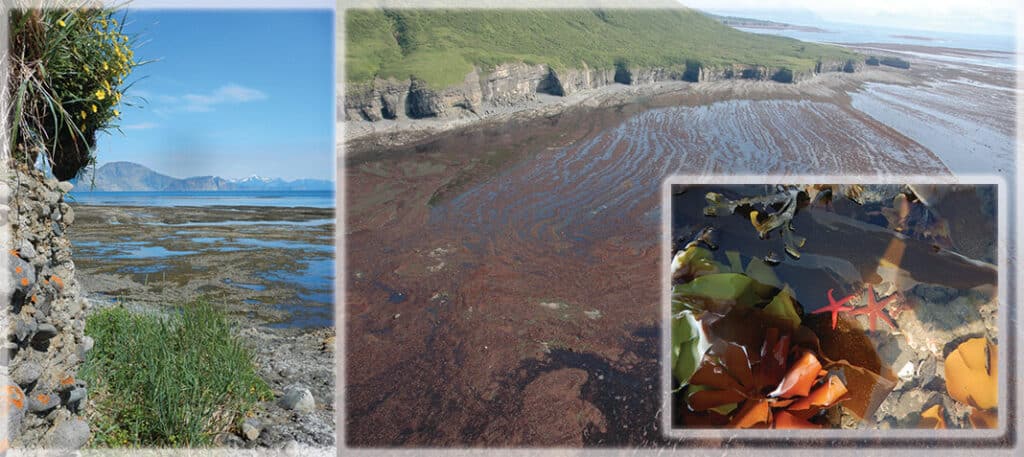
442,46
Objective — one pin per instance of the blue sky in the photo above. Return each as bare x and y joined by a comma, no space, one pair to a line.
232,93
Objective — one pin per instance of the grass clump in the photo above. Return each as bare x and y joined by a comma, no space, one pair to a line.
442,46
175,380
67,75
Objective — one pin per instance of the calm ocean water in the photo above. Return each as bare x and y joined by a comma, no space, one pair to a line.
853,33
288,199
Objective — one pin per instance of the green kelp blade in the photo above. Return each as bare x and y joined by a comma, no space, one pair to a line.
735,262
764,276
718,289
783,308
695,261
689,344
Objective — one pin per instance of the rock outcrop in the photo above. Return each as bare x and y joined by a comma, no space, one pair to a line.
511,83
44,323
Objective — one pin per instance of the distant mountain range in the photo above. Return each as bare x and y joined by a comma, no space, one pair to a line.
132,177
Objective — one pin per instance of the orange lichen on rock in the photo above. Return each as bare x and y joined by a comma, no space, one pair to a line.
972,374
932,418
56,280
43,398
67,381
24,281
14,396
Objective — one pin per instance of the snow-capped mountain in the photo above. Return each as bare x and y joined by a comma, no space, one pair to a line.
129,176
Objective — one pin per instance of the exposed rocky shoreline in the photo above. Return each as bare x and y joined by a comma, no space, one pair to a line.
372,115
511,83
295,360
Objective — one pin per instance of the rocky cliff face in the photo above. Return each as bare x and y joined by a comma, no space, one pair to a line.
511,83
45,320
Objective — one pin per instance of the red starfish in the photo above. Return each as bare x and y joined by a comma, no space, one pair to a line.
876,309
835,307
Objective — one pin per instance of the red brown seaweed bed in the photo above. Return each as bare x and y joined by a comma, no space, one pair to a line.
503,284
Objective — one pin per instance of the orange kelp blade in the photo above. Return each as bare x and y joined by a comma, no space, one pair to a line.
984,419
824,396
715,376
754,413
785,420
932,418
972,375
799,378
707,399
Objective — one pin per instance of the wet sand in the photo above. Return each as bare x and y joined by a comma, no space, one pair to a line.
503,279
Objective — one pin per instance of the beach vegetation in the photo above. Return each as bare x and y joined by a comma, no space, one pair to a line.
167,380
68,71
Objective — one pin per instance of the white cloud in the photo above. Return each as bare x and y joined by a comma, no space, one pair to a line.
140,126
230,93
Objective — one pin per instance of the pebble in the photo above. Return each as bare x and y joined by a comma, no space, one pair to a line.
907,372
65,186
45,332
27,250
298,398
251,428
26,373
70,434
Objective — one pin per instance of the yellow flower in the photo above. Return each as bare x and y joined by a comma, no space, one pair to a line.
117,113
81,128
82,114
94,109
61,23
100,95
85,67
105,66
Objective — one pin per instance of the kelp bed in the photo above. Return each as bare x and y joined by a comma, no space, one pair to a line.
834,306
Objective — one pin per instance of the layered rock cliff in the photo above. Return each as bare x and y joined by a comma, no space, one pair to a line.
511,83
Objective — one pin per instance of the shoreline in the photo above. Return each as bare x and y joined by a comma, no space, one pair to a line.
358,136
241,260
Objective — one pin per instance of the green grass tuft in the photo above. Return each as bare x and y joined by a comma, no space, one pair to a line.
167,381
